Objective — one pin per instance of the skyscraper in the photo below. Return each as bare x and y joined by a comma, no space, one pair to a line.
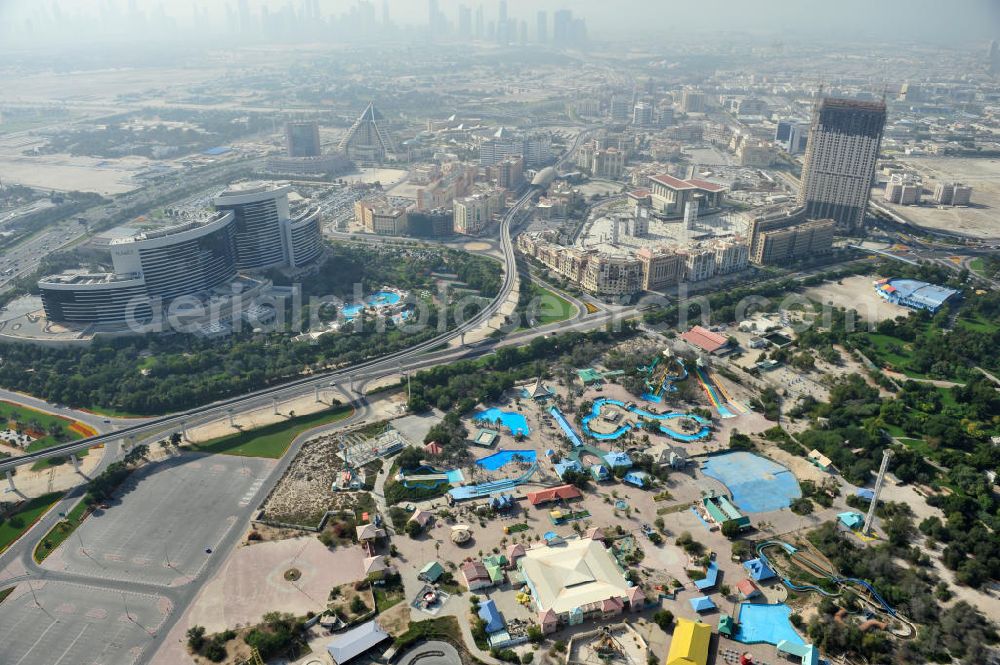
542,28
480,20
503,34
562,21
844,141
464,21
302,139
993,58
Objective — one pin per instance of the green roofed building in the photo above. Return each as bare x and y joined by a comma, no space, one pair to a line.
721,509
727,626
431,572
589,375
495,565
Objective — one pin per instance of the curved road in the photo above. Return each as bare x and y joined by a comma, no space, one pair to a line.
419,356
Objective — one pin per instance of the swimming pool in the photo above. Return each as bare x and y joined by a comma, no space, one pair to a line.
512,420
377,299
595,410
757,484
765,623
501,458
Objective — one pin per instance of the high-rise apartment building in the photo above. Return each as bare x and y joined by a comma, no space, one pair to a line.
844,141
661,267
952,193
542,28
642,114
302,139
693,101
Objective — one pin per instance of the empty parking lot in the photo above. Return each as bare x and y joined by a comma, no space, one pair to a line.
74,624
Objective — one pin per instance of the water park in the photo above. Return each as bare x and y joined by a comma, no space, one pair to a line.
691,426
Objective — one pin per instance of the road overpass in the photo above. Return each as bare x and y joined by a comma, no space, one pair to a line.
415,357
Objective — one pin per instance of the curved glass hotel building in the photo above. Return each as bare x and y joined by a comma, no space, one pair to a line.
250,230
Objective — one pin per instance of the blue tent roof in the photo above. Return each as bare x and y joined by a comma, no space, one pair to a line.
489,613
637,478
711,577
851,519
702,604
618,459
865,493
759,571
563,467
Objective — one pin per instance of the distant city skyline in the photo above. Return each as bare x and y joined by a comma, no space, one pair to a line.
850,20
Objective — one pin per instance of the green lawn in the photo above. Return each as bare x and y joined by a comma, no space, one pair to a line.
977,265
917,445
6,592
976,324
384,600
60,532
271,440
898,360
553,307
30,419
29,513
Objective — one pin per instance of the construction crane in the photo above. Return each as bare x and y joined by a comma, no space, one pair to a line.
886,456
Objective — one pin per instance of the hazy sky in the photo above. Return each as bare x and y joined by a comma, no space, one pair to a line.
954,21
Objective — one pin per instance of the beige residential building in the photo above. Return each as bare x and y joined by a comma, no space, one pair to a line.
474,213
661,267
608,163
612,276
783,235
731,256
699,263
381,219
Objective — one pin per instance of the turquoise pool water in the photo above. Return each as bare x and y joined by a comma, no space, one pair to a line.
502,458
454,476
377,299
758,485
672,433
765,623
512,420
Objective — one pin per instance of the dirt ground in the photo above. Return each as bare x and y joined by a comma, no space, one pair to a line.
303,493
857,293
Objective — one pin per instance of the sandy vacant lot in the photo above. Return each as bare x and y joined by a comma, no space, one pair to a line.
856,293
978,220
